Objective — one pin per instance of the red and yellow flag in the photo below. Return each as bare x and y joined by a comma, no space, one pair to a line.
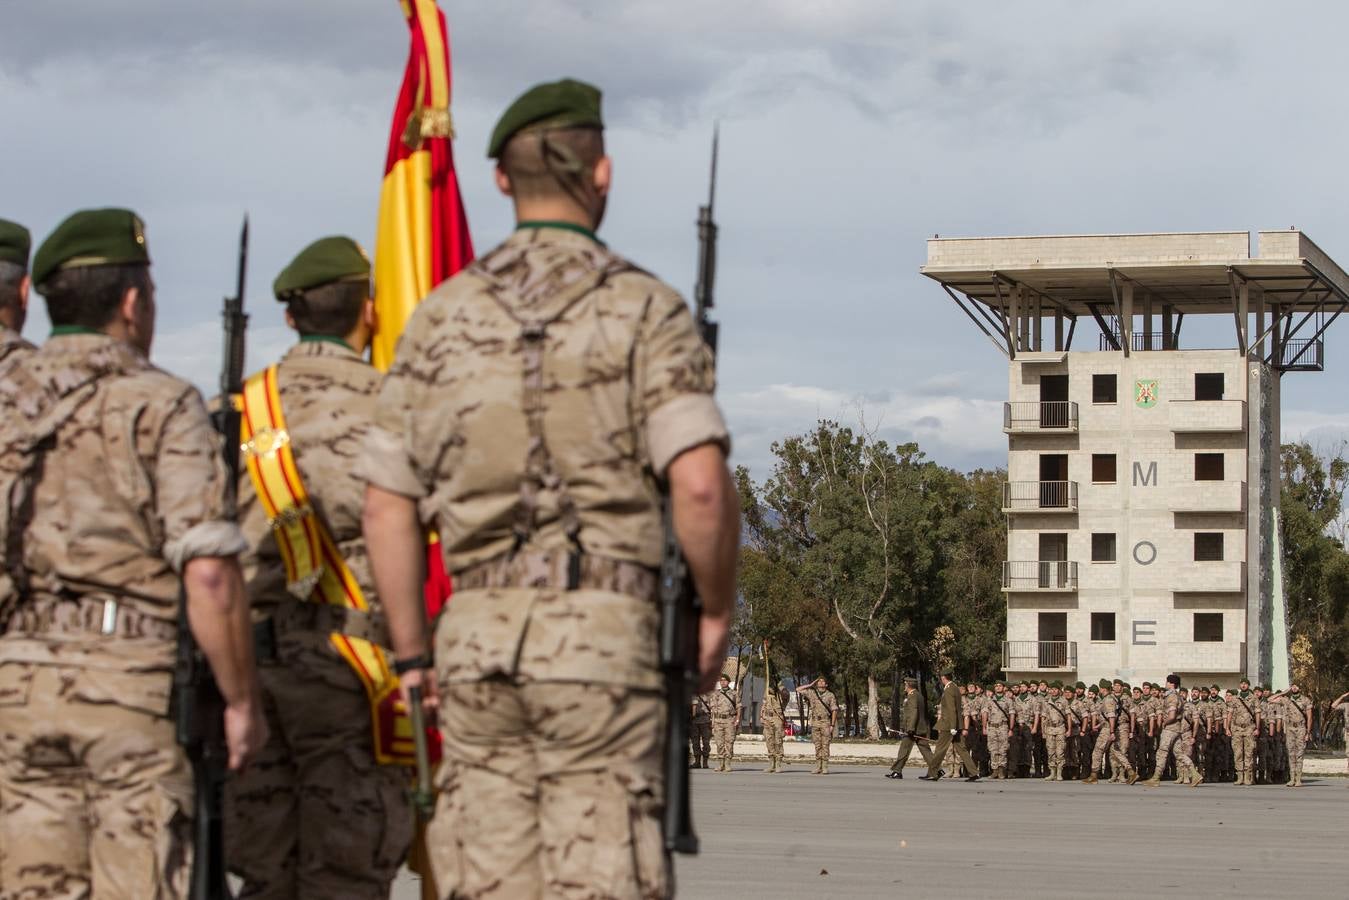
422,237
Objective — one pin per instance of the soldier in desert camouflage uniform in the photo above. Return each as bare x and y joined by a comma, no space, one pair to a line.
15,242
1296,715
999,721
1054,725
700,732
726,712
1170,725
823,707
1113,732
115,492
538,402
1242,723
316,816
774,720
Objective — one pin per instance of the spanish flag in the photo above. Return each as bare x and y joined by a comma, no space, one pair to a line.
422,237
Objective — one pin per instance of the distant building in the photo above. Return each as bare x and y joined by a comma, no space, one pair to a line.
1142,493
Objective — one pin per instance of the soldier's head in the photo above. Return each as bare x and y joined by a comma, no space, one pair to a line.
1093,691
1117,686
1054,689
94,273
15,242
1044,687
999,688
549,150
1245,684
947,676
910,685
1203,692
1080,688
1293,688
724,680
326,290
1231,695
1137,693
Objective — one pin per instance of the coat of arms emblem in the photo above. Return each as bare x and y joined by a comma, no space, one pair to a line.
1145,394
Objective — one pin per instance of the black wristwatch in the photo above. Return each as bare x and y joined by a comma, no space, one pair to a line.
403,666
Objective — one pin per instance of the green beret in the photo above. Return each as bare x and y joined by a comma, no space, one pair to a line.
15,242
323,262
1056,684
1081,686
92,237
558,104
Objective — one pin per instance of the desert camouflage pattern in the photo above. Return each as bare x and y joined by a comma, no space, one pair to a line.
1054,716
1108,740
534,401
129,490
1172,705
1293,714
314,816
1242,711
772,717
725,711
13,349
822,705
549,790
999,710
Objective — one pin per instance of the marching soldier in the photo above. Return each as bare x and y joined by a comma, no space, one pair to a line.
914,726
115,490
1113,732
726,712
949,719
1172,726
539,402
823,720
323,812
774,720
15,242
700,734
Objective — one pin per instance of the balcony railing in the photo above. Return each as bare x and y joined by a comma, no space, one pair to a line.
1039,496
1055,415
1039,656
1042,575
1302,355
1142,342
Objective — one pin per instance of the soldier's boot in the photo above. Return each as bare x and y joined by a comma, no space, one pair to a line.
818,766
1197,778
1153,781
1058,774
1001,773
1091,779
1133,777
824,767
777,764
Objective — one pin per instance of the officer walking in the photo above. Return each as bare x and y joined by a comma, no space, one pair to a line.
949,716
540,402
115,490
913,724
324,811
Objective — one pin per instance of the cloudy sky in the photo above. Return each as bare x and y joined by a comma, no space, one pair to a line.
852,131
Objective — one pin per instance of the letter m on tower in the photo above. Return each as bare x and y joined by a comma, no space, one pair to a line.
1145,478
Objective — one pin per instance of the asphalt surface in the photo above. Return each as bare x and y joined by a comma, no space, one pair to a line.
853,833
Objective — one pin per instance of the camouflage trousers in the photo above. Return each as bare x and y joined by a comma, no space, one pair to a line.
773,732
96,793
314,815
1056,745
1170,743
1104,745
1243,752
998,744
549,789
822,733
723,734
700,740
1296,740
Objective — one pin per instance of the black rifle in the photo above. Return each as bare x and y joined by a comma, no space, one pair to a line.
199,706
681,607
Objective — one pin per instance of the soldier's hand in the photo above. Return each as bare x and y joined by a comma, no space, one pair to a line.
245,733
423,679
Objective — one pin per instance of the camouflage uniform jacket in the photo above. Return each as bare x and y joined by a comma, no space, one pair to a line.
1000,711
328,397
131,490
773,706
13,349
535,402
702,708
1172,708
1243,711
725,703
823,704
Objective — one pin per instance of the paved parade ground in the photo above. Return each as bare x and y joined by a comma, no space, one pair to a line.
776,836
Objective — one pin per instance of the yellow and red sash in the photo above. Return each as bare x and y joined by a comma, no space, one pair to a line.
315,571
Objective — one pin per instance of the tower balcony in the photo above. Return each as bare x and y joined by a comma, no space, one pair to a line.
1051,417
1039,576
1039,656
1039,496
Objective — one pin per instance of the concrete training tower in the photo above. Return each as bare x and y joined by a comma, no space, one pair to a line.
1142,498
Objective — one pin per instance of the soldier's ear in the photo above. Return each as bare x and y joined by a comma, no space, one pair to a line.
25,284
504,182
604,175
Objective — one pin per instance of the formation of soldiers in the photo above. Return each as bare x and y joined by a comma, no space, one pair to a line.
1126,733
717,714
542,406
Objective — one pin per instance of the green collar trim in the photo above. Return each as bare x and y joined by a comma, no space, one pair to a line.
564,226
64,330
325,339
